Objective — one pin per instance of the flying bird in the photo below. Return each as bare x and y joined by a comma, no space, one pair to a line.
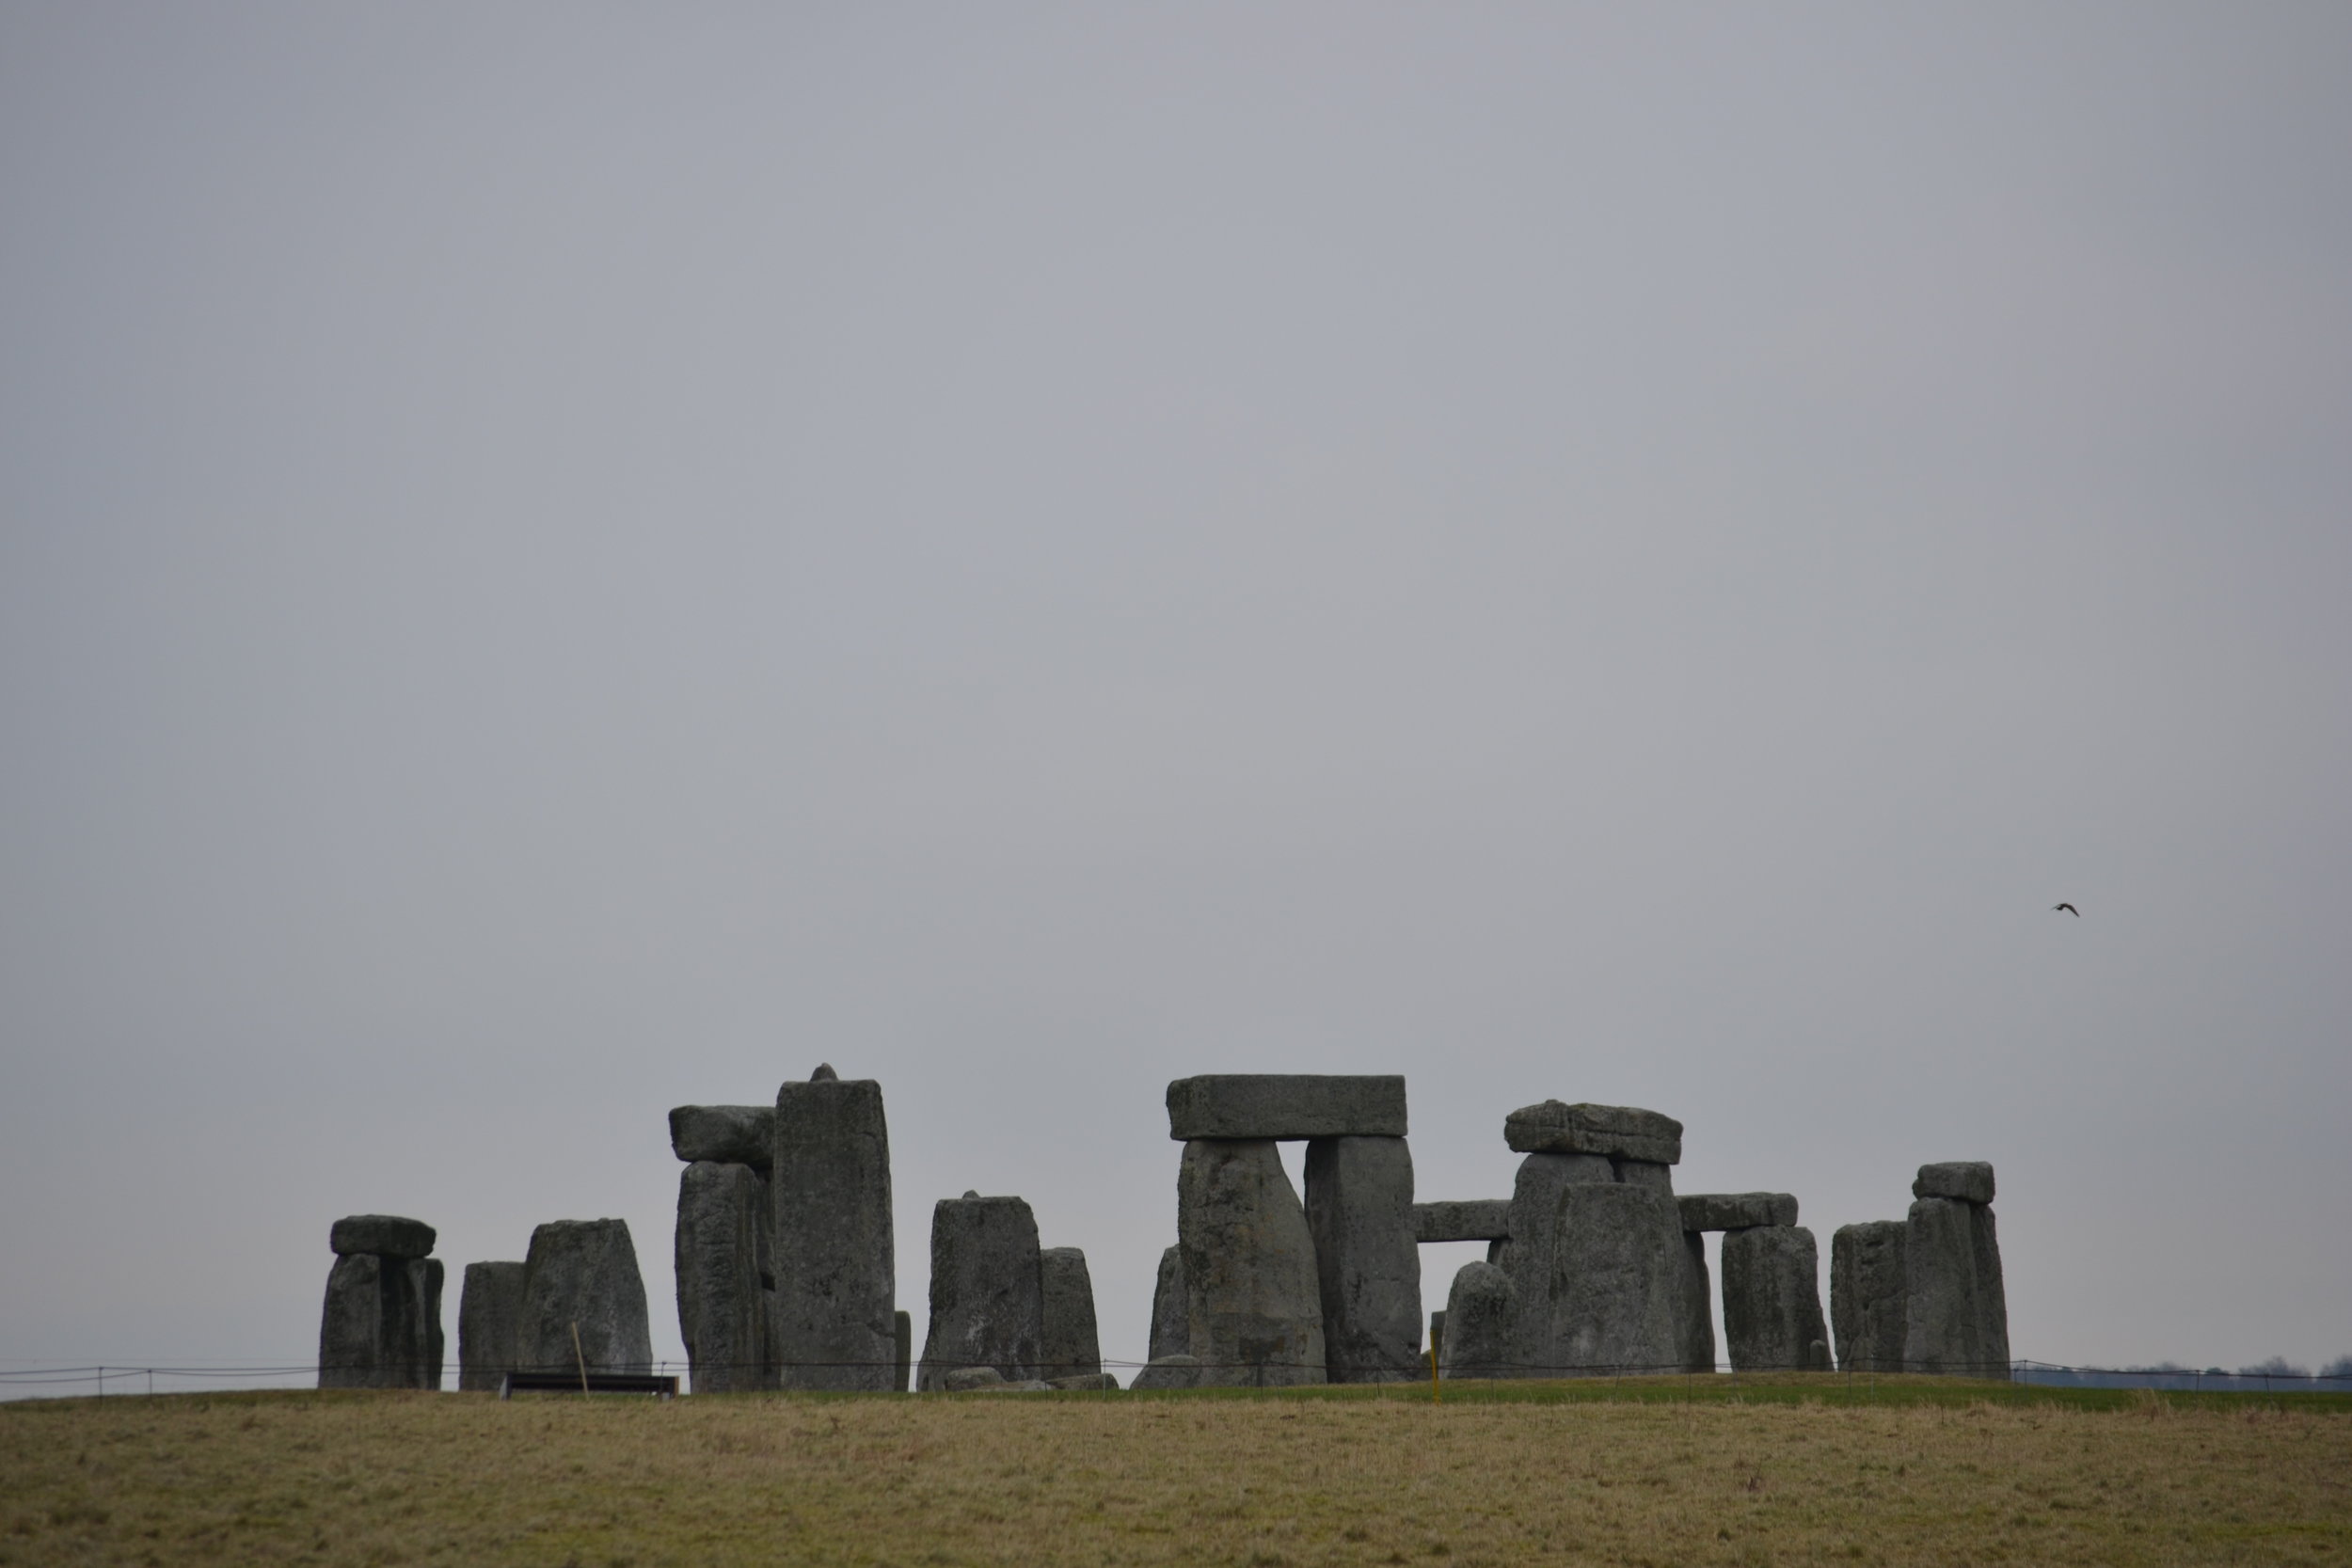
2068,908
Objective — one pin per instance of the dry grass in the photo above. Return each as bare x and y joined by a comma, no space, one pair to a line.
1121,1478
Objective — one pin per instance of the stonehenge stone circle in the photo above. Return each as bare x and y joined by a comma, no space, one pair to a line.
1773,1300
835,1270
1695,1306
1867,1295
1171,1328
380,1324
1479,1325
489,1316
584,1274
1737,1211
1360,1213
1954,1311
1286,1105
1621,1131
988,1305
1970,1181
1073,1348
1477,1219
1613,1296
1534,1205
726,1135
1253,1307
726,1282
902,1339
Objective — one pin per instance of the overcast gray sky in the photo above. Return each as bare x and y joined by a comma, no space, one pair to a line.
560,561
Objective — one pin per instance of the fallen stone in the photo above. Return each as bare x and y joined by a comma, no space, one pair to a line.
381,1236
489,1317
1480,1325
988,1304
728,1135
1071,1347
1737,1211
903,1339
1171,1331
1615,1290
962,1380
584,1274
836,1280
1088,1383
1286,1105
1694,1299
1169,1371
724,1280
1955,1311
1253,1304
1772,1299
380,1325
1476,1219
1868,1295
1359,1211
1620,1131
1970,1181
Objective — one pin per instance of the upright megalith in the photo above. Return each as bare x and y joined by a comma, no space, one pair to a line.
988,1304
1479,1325
836,1284
1073,1347
725,1276
489,1317
1773,1300
1695,1306
1359,1212
1254,1309
1172,1327
1286,1105
1526,1254
1956,1312
380,1324
902,1340
580,1278
1613,1296
1867,1295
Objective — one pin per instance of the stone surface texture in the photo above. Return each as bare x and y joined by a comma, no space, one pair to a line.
1526,1254
1084,1383
1169,1371
380,1325
1867,1295
726,1278
1359,1211
1954,1311
1614,1291
584,1272
902,1340
1969,1180
381,1236
1073,1348
489,1317
1171,1328
988,1305
726,1135
1773,1300
1620,1131
1286,1105
1737,1211
964,1380
1474,1219
836,1266
1253,1302
1479,1325
1694,1300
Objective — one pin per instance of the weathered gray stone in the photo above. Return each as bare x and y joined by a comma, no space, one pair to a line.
1645,1173
381,1236
1286,1105
584,1273
1737,1211
1071,1346
380,1325
1172,1327
1480,1325
1169,1371
1621,1130
1359,1210
1526,1256
1254,1309
489,1317
1955,1311
964,1380
1970,1181
1772,1299
1695,1305
1476,1219
729,1135
726,1280
1086,1382
988,1307
903,1339
1867,1295
836,1281
1615,1290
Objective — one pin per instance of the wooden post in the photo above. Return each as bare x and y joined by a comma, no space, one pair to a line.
580,1356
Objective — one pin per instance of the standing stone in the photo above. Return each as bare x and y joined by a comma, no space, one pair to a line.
725,1280
1359,1210
1695,1305
1171,1329
1254,1308
902,1336
1956,1313
836,1284
1479,1325
1526,1254
380,1326
1073,1347
1868,1295
988,1305
1615,1287
584,1272
1773,1300
489,1316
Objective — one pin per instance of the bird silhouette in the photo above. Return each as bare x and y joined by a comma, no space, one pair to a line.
2068,908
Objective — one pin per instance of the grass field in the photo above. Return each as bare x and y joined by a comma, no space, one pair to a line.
1781,1470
